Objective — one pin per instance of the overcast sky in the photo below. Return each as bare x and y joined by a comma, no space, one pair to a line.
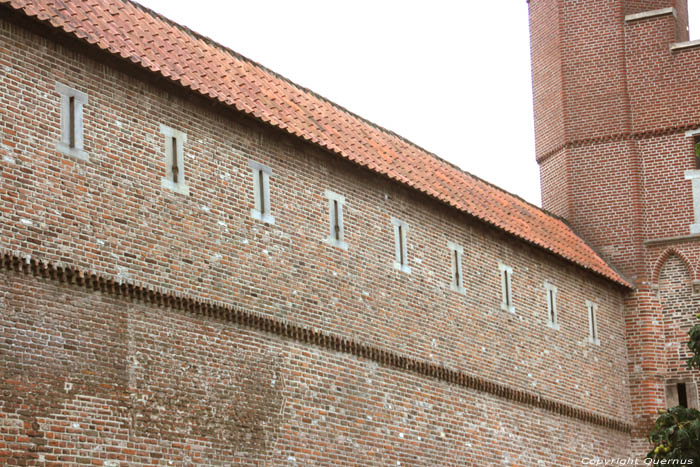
452,77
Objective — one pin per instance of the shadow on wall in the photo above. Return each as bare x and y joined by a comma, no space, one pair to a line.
679,305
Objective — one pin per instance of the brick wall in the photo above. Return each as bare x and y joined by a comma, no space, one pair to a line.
169,386
129,383
546,53
628,99
555,174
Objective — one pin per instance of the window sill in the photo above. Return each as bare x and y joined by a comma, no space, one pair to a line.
266,218
180,188
75,153
554,326
508,308
460,290
593,341
402,267
336,243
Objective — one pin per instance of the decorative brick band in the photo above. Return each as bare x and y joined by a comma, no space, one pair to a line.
618,137
212,309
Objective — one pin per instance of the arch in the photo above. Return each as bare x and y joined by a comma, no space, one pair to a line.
673,251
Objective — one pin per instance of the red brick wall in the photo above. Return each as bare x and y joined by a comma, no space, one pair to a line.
662,85
140,385
668,200
548,103
681,6
555,174
628,101
679,307
167,376
593,71
591,84
606,200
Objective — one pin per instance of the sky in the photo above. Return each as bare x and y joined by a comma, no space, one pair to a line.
452,77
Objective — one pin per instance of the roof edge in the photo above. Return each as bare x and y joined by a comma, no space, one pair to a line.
622,281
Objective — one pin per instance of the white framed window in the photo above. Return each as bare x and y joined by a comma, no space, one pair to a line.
694,177
174,179
400,249
336,235
72,102
261,192
506,273
456,252
592,322
552,312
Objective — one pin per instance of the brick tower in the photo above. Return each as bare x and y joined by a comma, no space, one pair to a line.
617,110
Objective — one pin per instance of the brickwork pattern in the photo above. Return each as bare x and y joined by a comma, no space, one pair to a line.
628,99
144,41
198,384
111,217
679,306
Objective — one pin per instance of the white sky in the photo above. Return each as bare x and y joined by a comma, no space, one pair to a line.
452,77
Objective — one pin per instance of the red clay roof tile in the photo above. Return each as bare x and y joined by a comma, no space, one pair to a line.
137,34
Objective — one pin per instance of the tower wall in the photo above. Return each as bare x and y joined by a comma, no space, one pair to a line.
631,93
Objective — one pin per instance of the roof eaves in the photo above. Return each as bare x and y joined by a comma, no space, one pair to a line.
183,82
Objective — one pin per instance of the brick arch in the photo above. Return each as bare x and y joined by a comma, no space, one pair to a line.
664,257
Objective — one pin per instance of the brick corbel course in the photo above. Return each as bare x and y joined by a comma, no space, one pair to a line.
12,262
628,136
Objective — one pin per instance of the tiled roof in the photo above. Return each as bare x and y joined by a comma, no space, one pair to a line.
137,34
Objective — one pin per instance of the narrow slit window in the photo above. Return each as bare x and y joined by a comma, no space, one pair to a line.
593,323
682,395
336,233
506,288
173,157
174,179
551,306
400,247
552,312
696,151
336,226
456,252
71,124
458,279
261,192
72,103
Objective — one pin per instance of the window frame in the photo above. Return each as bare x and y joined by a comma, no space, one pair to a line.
72,136
334,199
506,280
694,176
691,390
456,254
592,312
400,245
261,193
552,308
168,181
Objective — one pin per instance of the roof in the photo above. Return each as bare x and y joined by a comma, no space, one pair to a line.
145,38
